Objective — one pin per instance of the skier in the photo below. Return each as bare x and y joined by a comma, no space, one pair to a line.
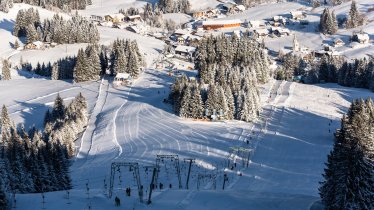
117,201
170,186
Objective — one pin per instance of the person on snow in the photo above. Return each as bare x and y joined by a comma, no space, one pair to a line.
117,201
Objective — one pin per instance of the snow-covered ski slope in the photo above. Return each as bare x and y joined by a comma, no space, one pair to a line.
290,147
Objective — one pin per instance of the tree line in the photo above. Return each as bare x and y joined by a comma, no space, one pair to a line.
75,30
122,57
349,174
36,161
65,5
358,73
229,70
174,6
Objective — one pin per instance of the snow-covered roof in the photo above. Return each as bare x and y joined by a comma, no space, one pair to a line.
262,31
362,37
191,37
221,22
122,76
240,7
181,31
38,43
296,13
131,17
256,23
135,29
337,40
280,29
181,48
117,15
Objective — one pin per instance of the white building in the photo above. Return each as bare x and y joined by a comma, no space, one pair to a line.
361,38
297,15
184,50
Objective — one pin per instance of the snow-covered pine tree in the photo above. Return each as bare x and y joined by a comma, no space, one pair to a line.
16,44
6,126
197,104
120,64
15,153
81,70
55,73
349,173
5,5
133,65
354,15
94,62
211,102
5,74
58,110
31,34
185,107
230,103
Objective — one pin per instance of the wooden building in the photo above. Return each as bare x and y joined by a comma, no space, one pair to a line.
219,24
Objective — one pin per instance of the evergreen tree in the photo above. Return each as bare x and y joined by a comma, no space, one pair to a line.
6,70
185,108
354,15
31,34
349,176
81,70
58,110
120,62
16,44
197,105
328,23
6,126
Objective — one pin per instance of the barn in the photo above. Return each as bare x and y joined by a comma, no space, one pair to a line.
218,24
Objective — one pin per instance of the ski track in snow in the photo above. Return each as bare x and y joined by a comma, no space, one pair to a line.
88,135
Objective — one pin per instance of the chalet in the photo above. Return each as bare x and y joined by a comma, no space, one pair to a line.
122,79
159,36
180,32
297,15
106,24
275,24
184,50
115,18
227,7
261,32
211,13
278,31
277,18
360,38
198,14
96,18
134,18
239,8
256,23
34,45
181,40
219,24
338,42
133,29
